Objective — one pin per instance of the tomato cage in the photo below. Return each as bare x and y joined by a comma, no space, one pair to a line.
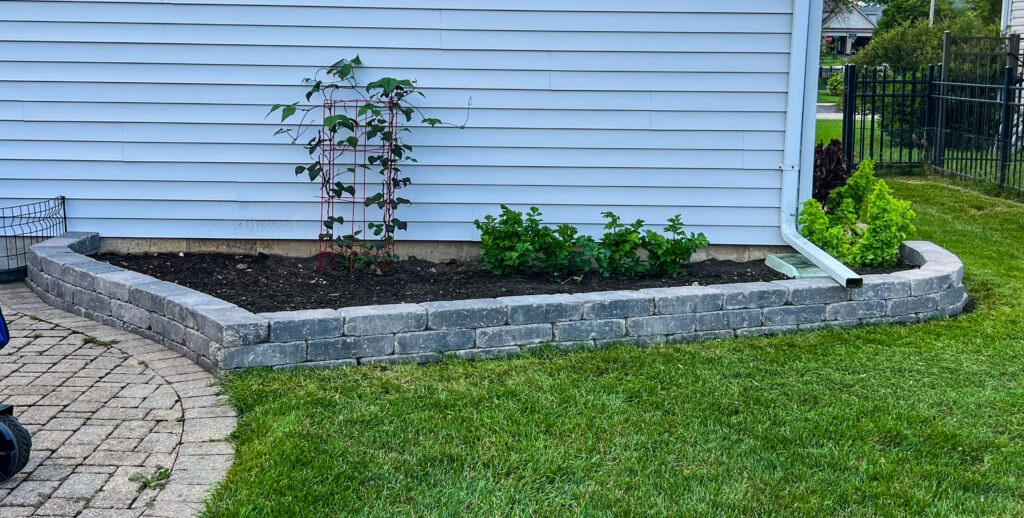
344,158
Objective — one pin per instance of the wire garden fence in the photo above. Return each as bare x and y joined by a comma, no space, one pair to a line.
964,116
22,226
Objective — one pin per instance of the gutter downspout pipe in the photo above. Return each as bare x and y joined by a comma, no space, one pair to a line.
799,143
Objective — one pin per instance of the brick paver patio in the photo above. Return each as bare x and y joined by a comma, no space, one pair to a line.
103,405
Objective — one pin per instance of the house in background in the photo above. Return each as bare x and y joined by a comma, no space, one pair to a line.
150,116
851,29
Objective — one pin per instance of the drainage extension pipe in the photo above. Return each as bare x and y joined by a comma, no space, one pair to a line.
800,125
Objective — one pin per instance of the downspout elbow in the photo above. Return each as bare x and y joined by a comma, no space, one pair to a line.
835,269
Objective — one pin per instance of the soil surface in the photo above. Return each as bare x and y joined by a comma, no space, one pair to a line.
265,283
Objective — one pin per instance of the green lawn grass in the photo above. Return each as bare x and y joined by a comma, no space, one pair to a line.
824,97
891,420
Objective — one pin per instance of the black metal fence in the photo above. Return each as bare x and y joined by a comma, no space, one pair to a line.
22,226
964,116
826,73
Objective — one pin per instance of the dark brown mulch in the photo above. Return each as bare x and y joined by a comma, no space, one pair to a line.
274,283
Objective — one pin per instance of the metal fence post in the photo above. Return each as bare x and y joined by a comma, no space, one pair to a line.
1005,125
940,127
849,113
929,113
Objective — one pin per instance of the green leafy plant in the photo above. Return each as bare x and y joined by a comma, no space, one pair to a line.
837,229
368,126
506,242
890,222
835,84
156,481
514,242
666,256
623,244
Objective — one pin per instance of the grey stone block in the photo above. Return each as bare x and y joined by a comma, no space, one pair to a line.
351,347
133,315
81,242
487,354
145,333
951,266
263,355
167,328
92,301
331,364
793,315
950,296
182,308
704,336
151,296
732,319
503,336
61,290
855,310
32,260
311,324
765,331
465,314
434,341
197,343
686,299
232,326
538,309
591,329
53,265
909,305
660,324
116,284
83,274
901,319
379,320
922,252
803,292
616,304
882,286
402,358
752,295
924,282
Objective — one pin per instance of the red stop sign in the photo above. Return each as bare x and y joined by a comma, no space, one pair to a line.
828,38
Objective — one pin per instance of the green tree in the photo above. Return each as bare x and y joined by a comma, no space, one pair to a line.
902,12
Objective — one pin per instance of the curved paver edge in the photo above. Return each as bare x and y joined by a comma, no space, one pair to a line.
220,336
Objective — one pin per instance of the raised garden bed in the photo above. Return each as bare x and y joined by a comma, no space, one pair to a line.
274,283
222,336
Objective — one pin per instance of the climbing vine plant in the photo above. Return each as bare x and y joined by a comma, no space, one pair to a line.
371,123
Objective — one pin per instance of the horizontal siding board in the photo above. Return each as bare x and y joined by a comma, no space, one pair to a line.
422,174
151,116
398,38
264,96
364,17
305,58
215,229
453,156
523,138
612,6
482,194
474,118
734,81
416,213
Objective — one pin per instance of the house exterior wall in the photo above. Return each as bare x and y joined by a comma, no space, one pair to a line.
1015,19
150,115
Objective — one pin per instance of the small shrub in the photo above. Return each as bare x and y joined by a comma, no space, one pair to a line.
623,244
864,198
835,85
514,243
666,256
857,189
506,242
829,169
889,224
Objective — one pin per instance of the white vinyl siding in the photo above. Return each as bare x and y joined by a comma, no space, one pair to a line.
150,115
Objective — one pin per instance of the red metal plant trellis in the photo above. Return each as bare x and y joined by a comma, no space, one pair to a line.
352,170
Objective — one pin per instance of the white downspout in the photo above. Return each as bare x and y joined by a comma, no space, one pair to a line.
1004,17
799,144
